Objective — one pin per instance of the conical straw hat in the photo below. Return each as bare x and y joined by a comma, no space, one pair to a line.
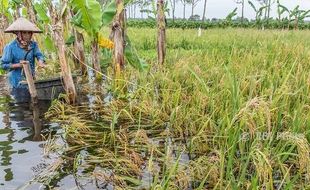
22,24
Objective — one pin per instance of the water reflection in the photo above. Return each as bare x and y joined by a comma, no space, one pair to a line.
22,131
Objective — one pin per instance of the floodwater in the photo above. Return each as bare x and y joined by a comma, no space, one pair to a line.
22,133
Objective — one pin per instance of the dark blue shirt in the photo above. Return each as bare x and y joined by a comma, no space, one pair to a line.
13,54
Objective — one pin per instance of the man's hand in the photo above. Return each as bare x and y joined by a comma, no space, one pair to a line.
16,65
24,62
41,64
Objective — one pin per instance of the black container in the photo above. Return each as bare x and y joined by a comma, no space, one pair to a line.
49,89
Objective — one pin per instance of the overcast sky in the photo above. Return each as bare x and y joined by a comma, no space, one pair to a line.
221,8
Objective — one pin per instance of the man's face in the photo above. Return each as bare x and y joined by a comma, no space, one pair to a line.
26,36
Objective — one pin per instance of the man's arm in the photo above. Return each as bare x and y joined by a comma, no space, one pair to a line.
39,56
6,60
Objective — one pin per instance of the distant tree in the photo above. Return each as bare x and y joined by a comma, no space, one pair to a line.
298,16
229,17
258,12
184,2
173,3
193,4
132,8
242,8
267,4
150,8
204,11
194,18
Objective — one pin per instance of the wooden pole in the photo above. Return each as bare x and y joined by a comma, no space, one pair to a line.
30,81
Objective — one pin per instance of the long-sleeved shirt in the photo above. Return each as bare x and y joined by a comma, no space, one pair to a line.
13,54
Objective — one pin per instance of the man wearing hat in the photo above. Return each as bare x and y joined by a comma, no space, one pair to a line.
21,49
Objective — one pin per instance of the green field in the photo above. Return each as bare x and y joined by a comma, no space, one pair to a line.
228,110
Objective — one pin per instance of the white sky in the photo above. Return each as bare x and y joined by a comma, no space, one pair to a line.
221,8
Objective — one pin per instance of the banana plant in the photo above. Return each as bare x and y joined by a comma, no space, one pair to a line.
153,9
57,13
229,17
90,19
258,12
4,13
298,16
30,10
88,16
10,9
5,16
43,22
4,6
281,9
15,5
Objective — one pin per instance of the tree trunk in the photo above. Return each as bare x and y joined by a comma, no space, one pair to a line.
242,13
173,11
296,23
184,6
95,56
29,6
3,25
57,31
279,15
161,38
266,12
204,11
134,11
16,13
193,6
3,22
118,38
269,8
65,68
79,52
78,45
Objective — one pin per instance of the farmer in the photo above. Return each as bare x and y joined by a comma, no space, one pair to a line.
22,48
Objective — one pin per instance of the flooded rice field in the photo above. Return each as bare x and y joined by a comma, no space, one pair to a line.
23,131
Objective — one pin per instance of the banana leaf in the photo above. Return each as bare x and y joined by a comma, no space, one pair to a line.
132,58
